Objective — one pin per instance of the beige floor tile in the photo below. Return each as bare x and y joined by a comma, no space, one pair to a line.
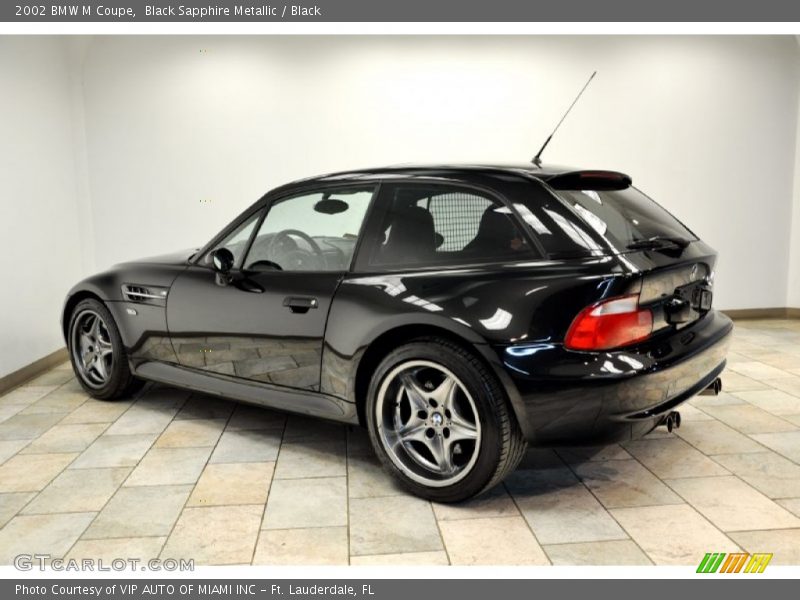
65,438
367,478
32,472
41,534
28,427
673,458
318,546
540,458
787,444
141,549
304,503
405,559
200,406
115,451
142,419
255,417
9,410
26,395
311,459
255,445
610,553
732,505
790,385
140,512
722,399
748,418
673,535
494,503
691,413
163,397
232,483
773,401
714,437
219,535
12,503
577,455
621,483
300,429
78,490
392,524
791,504
757,370
169,466
784,544
494,541
559,508
10,448
55,377
793,419
97,411
57,402
768,472
191,433
781,360
734,382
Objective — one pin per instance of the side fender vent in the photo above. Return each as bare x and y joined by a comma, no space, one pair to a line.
144,293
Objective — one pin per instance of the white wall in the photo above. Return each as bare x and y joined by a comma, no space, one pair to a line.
122,146
183,132
39,225
793,295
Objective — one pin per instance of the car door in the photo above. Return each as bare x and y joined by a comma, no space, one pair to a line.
266,321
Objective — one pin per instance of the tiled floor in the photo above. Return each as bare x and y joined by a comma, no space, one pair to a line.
181,475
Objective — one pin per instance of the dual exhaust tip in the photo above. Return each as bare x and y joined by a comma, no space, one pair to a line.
672,420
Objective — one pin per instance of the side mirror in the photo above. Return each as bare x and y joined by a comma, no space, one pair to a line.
222,261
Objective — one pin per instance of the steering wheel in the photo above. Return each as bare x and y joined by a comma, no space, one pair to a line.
293,257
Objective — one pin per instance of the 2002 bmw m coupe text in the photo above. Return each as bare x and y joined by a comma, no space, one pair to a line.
458,312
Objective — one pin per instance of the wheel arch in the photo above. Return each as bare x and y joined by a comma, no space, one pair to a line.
72,301
387,341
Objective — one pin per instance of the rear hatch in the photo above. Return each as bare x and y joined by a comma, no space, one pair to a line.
673,267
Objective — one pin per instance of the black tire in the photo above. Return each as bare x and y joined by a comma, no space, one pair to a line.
120,381
502,444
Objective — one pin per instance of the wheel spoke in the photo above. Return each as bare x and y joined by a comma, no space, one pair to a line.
99,366
445,392
462,430
413,433
104,348
442,453
414,393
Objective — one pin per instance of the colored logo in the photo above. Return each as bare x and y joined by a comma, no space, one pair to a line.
736,562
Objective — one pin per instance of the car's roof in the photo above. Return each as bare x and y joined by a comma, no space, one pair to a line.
465,171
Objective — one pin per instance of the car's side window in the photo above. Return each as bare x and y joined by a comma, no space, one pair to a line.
236,241
429,225
315,231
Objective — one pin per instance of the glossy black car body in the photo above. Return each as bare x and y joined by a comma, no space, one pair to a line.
323,334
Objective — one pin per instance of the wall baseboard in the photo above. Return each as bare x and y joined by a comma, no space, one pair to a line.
20,376
763,313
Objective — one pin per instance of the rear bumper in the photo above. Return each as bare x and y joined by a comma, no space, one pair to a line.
573,398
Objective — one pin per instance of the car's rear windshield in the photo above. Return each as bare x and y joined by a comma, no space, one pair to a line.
626,219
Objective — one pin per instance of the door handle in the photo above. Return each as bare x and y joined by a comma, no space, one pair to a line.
300,304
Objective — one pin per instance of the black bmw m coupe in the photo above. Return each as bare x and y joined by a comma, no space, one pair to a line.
459,313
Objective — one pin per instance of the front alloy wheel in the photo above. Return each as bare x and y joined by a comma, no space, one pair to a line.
92,350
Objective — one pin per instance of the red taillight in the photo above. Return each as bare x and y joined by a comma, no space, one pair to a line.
610,324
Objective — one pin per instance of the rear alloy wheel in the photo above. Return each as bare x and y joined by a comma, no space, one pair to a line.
440,422
98,357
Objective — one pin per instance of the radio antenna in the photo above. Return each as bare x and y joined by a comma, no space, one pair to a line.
537,160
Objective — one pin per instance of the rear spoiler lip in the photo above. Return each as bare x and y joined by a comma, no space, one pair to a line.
590,179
